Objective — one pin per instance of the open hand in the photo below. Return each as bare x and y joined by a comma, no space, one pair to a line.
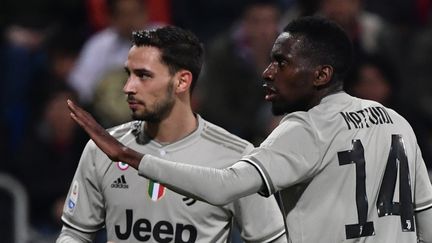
115,150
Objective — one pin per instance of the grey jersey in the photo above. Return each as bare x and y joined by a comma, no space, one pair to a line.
135,209
352,169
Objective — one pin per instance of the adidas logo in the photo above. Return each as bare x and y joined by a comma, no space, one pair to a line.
120,183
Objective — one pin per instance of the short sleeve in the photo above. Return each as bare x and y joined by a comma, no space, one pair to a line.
288,156
423,186
84,207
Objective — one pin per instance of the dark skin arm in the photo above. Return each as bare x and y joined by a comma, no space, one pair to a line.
115,150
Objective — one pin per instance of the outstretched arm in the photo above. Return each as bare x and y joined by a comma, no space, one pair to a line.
216,186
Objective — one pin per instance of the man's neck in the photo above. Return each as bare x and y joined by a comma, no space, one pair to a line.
173,128
324,92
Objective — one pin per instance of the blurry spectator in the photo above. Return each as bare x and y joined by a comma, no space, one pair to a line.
23,63
293,9
107,49
52,12
363,27
61,49
233,69
47,160
207,19
399,12
97,11
374,79
417,93
420,62
397,44
25,27
109,103
159,12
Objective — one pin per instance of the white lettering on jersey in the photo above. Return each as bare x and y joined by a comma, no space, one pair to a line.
366,117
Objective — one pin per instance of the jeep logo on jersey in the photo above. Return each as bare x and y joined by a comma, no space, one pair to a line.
163,231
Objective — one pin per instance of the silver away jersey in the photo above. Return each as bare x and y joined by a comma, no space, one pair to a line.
352,170
135,209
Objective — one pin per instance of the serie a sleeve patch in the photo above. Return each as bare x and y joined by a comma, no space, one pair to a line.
73,198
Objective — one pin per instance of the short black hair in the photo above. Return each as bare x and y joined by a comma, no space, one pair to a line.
324,43
180,49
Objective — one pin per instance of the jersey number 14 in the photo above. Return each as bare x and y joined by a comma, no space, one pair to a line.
404,208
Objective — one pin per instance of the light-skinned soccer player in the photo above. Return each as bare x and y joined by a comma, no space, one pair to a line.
163,66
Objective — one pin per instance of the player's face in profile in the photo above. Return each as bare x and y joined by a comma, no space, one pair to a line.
288,79
150,86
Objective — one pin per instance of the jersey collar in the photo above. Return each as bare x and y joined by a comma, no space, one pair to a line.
179,144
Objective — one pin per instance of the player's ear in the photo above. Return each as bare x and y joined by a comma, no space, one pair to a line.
323,75
184,81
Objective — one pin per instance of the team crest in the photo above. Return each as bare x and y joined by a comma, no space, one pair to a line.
155,190
122,165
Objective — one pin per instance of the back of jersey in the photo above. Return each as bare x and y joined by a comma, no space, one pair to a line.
370,177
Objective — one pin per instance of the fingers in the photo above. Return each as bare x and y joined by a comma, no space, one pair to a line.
69,102
75,108
71,105
72,108
77,114
76,119
83,118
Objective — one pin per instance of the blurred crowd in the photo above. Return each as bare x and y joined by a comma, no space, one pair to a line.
51,51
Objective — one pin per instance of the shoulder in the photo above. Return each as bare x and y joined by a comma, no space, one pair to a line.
396,117
218,135
294,127
121,132
294,121
94,157
400,120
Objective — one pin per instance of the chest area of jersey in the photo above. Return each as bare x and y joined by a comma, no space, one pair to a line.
124,189
141,209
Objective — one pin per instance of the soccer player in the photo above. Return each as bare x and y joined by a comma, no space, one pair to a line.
163,66
350,169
